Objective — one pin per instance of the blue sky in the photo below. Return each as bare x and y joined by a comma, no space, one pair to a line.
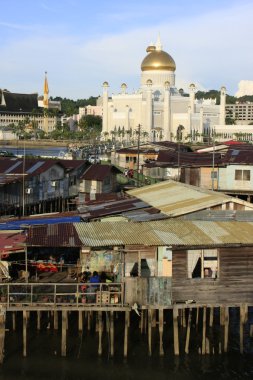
82,43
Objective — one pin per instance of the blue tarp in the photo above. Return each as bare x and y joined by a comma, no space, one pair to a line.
23,223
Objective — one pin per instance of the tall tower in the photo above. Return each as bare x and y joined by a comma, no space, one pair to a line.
223,91
46,92
45,103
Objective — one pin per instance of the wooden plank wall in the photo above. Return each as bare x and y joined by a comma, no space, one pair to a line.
235,282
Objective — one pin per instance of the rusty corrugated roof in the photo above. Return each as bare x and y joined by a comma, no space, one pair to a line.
176,198
53,235
174,232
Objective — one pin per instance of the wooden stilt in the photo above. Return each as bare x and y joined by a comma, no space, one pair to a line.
207,346
80,320
55,320
24,333
100,332
161,351
222,316
153,318
226,316
126,334
197,316
188,332
112,333
14,320
38,319
67,320
145,316
211,317
142,321
88,320
204,332
149,332
2,333
183,318
251,331
64,333
242,318
175,331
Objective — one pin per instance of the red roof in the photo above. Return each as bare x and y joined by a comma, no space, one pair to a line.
11,242
99,172
53,235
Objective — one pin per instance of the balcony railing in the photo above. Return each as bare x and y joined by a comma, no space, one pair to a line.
61,294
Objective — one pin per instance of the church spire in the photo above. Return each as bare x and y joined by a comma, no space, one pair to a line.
46,91
158,43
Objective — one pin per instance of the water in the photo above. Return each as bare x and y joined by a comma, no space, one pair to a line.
82,362
47,151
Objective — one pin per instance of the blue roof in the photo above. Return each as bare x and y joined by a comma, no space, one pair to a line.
23,223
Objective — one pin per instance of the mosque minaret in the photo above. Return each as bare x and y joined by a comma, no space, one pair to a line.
158,106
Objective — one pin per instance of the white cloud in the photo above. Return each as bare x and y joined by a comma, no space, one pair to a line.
212,50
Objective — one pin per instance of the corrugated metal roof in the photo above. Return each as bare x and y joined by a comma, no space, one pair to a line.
53,235
221,215
176,198
174,232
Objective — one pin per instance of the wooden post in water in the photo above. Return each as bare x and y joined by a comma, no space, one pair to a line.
242,319
226,315
204,332
55,320
211,317
188,332
100,332
64,333
175,331
2,333
142,321
14,320
126,334
24,333
38,319
80,320
149,332
112,333
88,320
161,351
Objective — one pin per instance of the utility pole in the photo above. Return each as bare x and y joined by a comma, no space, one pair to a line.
138,153
213,159
23,183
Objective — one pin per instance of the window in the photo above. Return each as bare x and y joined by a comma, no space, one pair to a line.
242,175
214,175
203,263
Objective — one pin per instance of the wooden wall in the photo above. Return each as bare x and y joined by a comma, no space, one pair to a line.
234,283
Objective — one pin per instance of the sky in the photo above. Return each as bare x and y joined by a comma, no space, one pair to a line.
82,43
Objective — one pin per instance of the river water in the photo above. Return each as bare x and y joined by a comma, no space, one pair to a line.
46,151
82,362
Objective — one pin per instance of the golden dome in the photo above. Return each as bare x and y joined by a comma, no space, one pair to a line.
158,60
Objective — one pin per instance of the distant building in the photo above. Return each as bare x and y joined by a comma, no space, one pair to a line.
28,108
242,113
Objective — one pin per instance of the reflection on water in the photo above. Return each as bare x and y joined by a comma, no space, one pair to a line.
44,360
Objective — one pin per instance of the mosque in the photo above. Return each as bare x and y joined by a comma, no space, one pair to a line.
161,110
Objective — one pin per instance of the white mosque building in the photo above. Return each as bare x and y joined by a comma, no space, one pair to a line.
161,110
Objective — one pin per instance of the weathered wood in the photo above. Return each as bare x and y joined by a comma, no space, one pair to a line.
80,320
24,333
112,333
204,332
197,317
251,331
242,318
161,350
2,333
226,315
126,334
188,332
100,332
149,332
55,320
175,331
89,320
14,314
142,322
211,317
64,334
38,320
